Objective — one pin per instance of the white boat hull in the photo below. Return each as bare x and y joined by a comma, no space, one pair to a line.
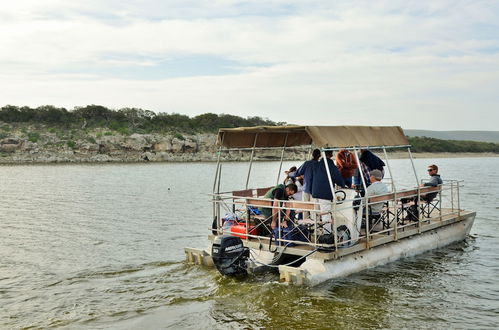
314,271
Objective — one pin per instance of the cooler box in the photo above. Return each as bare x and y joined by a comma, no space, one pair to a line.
239,230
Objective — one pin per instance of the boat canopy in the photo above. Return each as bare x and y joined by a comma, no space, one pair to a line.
321,136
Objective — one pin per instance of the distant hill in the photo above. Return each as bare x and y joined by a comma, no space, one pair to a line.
480,136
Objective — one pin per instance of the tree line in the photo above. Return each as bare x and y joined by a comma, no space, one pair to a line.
136,120
127,120
427,144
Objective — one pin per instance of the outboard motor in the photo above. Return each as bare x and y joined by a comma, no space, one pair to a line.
230,255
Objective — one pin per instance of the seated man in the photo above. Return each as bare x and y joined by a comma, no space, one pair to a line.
375,188
278,193
435,180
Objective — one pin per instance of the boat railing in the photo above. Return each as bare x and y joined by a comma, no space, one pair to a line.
404,211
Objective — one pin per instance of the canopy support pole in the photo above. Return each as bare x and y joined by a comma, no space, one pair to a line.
364,185
389,169
282,157
331,185
216,171
413,167
251,160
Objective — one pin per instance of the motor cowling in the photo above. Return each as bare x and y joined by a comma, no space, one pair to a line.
230,255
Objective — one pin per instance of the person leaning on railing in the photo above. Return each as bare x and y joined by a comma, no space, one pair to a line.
277,194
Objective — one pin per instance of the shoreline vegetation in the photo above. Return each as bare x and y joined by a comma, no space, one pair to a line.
95,134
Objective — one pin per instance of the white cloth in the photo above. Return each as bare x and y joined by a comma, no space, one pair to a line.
325,206
299,194
375,189
306,197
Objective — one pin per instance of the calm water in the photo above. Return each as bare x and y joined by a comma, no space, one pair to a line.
101,246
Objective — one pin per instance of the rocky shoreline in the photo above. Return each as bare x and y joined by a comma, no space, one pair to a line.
39,144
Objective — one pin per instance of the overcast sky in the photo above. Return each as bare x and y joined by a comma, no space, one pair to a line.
418,64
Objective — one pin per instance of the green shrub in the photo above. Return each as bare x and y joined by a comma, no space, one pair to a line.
123,130
71,144
179,136
52,130
108,133
33,136
91,139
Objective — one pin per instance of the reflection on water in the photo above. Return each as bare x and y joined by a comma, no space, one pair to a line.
88,246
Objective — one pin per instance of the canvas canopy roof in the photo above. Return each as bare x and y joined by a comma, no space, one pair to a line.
321,136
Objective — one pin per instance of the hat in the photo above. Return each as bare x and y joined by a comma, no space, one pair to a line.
376,174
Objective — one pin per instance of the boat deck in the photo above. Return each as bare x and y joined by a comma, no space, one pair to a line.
395,233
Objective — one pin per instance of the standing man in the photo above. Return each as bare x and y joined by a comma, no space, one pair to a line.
305,170
321,189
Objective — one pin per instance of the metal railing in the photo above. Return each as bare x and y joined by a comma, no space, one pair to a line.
352,212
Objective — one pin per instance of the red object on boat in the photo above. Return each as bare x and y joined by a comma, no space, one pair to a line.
239,230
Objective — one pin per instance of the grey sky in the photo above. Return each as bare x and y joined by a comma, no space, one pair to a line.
417,64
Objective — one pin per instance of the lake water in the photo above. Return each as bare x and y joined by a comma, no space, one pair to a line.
101,246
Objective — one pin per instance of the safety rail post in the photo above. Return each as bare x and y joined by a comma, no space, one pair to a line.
278,222
316,227
368,229
335,231
219,220
452,196
419,211
395,204
440,201
251,160
458,201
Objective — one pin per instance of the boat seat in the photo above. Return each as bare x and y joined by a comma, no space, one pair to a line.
429,202
262,191
386,216
259,220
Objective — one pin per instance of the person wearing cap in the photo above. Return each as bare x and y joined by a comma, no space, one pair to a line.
376,188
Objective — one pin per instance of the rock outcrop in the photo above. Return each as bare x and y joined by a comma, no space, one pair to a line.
30,144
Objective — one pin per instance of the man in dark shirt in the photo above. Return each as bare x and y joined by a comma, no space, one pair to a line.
278,193
321,189
435,180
